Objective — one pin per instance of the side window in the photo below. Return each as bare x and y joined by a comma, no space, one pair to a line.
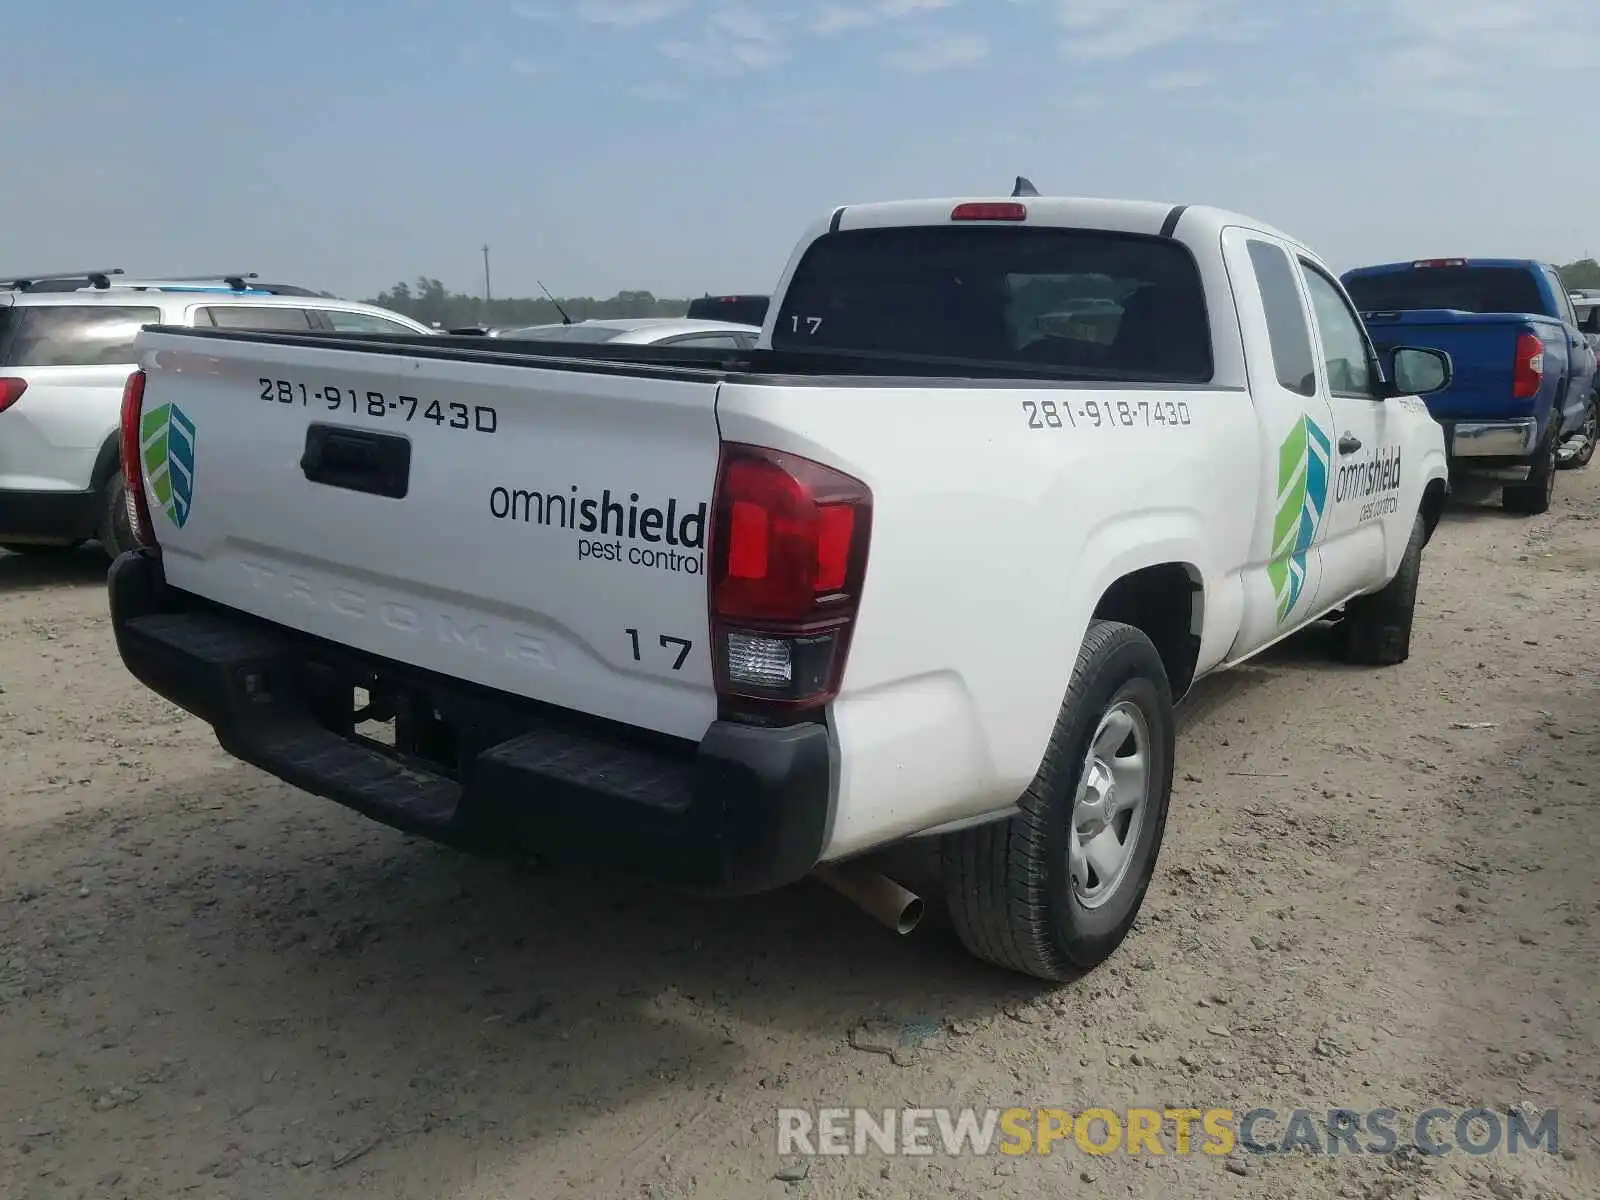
1344,343
1287,331
247,316
1563,299
355,322
708,341
74,335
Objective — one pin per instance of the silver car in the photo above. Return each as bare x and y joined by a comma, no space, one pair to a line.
66,350
642,331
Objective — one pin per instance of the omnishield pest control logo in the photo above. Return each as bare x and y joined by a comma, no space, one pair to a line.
1303,466
166,440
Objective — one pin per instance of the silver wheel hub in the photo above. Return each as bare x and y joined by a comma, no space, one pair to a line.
1109,808
1590,430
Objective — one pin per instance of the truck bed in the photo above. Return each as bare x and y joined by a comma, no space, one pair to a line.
528,517
1482,349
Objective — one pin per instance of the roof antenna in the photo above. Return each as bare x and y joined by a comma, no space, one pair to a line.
1024,187
565,320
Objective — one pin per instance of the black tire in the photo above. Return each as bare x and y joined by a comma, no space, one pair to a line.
1532,498
116,531
1591,434
1376,630
1008,886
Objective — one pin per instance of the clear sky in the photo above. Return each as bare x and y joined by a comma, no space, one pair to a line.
681,145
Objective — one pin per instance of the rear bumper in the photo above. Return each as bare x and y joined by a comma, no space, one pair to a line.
1501,451
1492,439
48,516
745,810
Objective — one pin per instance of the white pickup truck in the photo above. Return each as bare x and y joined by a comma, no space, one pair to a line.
1002,479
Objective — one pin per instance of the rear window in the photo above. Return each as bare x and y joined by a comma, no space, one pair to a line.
257,317
1128,306
72,335
1469,289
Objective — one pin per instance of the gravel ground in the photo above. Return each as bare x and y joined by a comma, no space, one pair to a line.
1379,889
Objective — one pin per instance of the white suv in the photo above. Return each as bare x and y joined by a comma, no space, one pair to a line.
66,349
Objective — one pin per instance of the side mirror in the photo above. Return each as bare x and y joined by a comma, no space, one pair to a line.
1416,371
1591,321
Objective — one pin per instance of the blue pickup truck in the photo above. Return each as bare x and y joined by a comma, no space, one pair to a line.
1521,401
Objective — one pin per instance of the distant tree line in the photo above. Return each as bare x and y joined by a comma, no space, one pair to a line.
428,300
1585,273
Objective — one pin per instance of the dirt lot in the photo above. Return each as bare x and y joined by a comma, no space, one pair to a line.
1378,890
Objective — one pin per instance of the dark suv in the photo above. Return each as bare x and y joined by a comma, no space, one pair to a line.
741,310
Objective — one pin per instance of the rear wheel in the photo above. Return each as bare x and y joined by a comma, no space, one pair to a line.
1579,448
1533,497
116,531
1053,890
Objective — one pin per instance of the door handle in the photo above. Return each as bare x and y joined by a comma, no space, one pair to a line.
1349,443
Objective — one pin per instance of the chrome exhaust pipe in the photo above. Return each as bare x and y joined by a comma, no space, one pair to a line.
876,895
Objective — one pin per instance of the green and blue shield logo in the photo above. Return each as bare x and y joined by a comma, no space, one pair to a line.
166,443
1304,461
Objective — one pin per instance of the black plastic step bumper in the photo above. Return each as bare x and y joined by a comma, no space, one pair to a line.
746,809
49,516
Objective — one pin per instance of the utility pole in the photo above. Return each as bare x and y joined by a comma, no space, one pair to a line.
486,296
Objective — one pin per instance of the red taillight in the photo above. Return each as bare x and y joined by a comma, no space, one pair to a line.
1440,262
132,465
11,391
1527,377
788,556
980,211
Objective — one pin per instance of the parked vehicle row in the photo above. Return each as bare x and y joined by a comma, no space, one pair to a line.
66,347
934,560
1522,403
1588,310
641,331
627,331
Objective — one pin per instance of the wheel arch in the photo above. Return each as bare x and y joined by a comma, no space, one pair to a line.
108,462
1166,602
1432,507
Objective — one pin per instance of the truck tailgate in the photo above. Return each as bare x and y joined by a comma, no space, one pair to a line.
1482,349
527,528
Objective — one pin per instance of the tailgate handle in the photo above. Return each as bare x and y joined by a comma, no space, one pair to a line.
378,464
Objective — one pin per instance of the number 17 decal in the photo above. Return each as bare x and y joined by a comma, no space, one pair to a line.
809,324
681,646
